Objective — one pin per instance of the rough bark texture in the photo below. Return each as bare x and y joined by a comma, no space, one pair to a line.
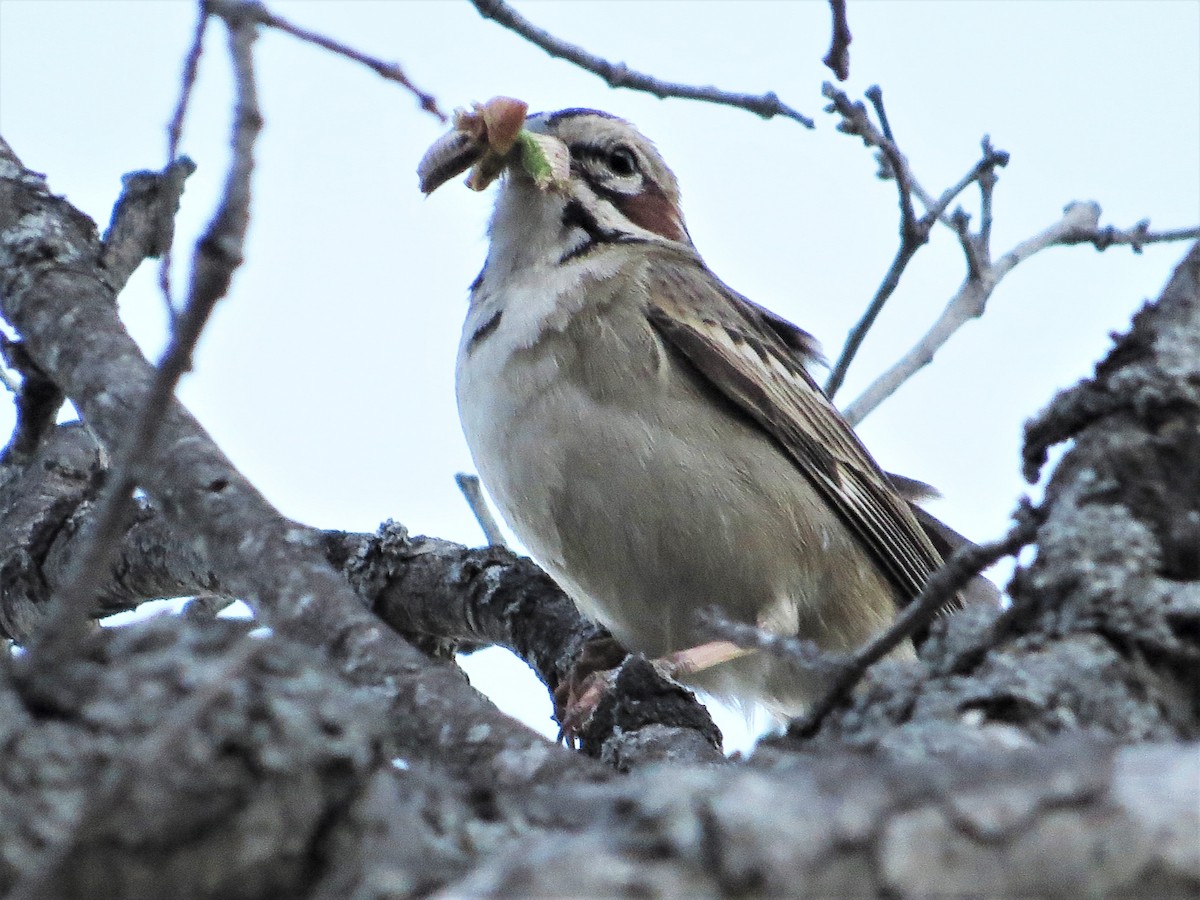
1104,633
194,762
1049,749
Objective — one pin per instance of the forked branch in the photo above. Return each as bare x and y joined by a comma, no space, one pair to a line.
1080,224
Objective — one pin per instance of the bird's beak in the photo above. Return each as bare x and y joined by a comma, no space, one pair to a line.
487,139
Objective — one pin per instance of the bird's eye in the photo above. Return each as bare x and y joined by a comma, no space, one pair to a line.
621,161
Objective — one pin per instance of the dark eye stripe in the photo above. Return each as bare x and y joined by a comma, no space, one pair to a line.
576,215
588,151
594,153
647,208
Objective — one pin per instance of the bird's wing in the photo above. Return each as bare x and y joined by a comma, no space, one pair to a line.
741,354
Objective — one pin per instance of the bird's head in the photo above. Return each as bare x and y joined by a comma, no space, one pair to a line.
572,179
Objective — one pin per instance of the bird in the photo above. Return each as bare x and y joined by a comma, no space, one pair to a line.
656,440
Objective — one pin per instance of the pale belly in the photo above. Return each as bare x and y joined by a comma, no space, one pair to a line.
647,501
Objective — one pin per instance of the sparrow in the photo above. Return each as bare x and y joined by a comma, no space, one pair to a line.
655,439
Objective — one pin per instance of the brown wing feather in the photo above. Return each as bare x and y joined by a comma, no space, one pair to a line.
743,355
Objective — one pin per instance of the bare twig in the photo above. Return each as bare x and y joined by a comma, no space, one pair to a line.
1136,237
250,11
914,233
473,491
191,68
858,333
802,652
390,71
982,173
964,564
838,57
961,222
1078,225
618,75
987,186
875,94
218,253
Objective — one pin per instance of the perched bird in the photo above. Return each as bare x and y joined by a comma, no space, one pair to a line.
653,437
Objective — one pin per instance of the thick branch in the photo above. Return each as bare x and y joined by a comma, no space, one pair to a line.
128,241
1104,630
438,594
205,800
51,292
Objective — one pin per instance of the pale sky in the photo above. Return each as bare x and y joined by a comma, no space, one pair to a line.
327,374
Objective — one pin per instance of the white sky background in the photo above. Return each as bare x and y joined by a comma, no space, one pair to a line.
327,374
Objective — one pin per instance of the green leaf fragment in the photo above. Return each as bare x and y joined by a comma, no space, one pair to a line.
545,159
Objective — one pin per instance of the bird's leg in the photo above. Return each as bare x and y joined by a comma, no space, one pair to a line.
697,659
577,697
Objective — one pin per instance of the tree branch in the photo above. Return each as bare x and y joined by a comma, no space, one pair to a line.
964,564
914,231
130,238
1078,225
51,291
235,10
618,75
439,595
473,492
838,57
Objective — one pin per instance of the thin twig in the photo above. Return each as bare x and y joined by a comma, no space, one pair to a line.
191,68
1136,237
858,333
838,57
218,253
962,227
875,94
914,233
1078,225
473,491
987,186
390,71
618,75
799,651
964,564
984,169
